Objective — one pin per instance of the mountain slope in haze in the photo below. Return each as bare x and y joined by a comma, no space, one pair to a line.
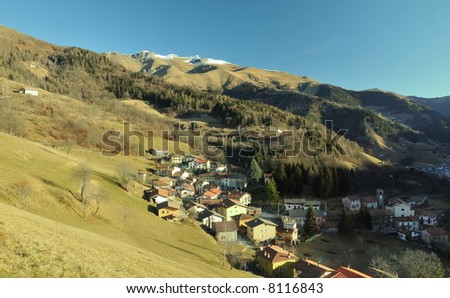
378,120
439,104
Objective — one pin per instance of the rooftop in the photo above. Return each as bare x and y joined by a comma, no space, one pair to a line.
225,226
258,221
348,272
275,254
310,269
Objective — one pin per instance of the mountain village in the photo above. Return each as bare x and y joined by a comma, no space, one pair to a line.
188,188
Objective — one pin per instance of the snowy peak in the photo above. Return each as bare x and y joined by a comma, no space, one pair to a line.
194,60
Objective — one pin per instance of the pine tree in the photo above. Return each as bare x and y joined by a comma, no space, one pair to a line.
254,171
298,179
346,223
367,223
281,177
310,228
273,195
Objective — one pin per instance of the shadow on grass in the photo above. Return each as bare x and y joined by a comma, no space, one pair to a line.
183,250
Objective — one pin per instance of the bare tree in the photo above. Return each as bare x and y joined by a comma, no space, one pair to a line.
124,175
98,197
83,175
23,190
68,144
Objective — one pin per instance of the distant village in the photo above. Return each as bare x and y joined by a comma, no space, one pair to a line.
442,171
213,194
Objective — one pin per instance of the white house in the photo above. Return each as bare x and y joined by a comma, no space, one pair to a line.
289,223
352,203
405,234
199,164
427,217
399,208
302,204
208,218
408,222
244,198
299,215
233,181
29,92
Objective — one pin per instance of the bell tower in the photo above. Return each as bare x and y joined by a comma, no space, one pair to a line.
380,197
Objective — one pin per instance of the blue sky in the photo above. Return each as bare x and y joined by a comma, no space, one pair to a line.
401,46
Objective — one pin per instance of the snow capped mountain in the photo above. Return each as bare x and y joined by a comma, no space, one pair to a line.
195,60
165,57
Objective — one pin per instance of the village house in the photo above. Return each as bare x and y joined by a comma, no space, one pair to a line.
289,223
185,192
241,222
299,215
218,168
408,235
302,204
199,164
244,198
157,195
164,182
211,178
175,159
200,185
163,170
427,217
252,210
168,210
230,208
260,230
208,218
399,208
287,235
369,202
211,204
310,269
194,207
274,261
408,222
29,92
158,152
230,181
212,193
352,203
179,175
226,231
435,236
381,219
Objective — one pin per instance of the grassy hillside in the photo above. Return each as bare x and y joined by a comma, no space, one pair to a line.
49,236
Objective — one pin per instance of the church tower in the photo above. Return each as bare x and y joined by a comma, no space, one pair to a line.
380,197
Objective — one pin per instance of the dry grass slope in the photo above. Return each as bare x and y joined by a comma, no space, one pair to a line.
50,238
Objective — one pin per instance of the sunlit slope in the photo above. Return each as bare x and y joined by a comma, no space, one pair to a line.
49,237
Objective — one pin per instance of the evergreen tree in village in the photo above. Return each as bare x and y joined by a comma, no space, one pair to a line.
273,196
310,228
254,171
